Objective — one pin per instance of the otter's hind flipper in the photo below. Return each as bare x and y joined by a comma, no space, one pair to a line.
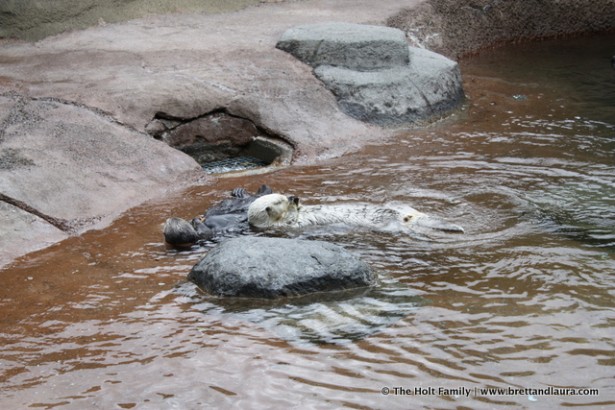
264,190
242,193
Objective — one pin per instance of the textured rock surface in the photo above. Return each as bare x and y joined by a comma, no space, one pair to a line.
455,27
71,155
274,267
354,46
428,87
373,73
65,168
23,232
35,19
186,66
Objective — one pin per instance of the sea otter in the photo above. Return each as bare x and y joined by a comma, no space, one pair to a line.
227,217
279,211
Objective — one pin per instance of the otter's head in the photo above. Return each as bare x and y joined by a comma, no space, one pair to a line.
273,210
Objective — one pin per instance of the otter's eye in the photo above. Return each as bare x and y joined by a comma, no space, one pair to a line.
268,209
407,218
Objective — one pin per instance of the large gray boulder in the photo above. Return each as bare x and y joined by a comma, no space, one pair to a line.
354,46
273,267
374,75
429,86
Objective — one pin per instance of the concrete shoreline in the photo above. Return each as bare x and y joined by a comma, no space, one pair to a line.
74,152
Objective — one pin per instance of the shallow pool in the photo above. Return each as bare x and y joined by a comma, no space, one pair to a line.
524,300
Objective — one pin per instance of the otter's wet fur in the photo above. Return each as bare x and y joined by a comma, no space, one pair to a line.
230,216
279,211
179,233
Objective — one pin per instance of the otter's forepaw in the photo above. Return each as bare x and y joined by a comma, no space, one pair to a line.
239,193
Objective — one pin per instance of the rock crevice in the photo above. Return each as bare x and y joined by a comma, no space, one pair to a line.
214,136
61,224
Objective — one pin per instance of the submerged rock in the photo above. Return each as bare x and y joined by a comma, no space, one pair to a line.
274,267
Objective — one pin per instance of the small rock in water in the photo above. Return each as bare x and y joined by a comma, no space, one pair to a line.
272,267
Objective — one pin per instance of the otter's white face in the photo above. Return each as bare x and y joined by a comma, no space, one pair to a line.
272,210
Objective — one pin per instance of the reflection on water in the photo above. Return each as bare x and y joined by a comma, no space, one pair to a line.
338,317
525,299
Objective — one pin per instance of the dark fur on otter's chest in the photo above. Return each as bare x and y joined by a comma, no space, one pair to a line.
229,216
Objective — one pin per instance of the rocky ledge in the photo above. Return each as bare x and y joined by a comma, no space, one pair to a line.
65,168
81,112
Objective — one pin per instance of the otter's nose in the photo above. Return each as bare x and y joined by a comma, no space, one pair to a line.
294,199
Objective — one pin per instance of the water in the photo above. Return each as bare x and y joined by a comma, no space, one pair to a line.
523,300
233,164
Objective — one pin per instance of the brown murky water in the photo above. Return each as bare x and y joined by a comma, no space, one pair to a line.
523,300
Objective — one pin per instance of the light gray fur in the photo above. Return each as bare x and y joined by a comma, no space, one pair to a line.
279,211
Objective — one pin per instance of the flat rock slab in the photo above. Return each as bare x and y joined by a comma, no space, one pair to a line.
56,154
276,267
358,47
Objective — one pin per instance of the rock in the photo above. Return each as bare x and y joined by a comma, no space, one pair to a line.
373,73
137,72
354,46
156,128
457,27
82,164
212,137
428,87
34,19
22,232
273,267
65,168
